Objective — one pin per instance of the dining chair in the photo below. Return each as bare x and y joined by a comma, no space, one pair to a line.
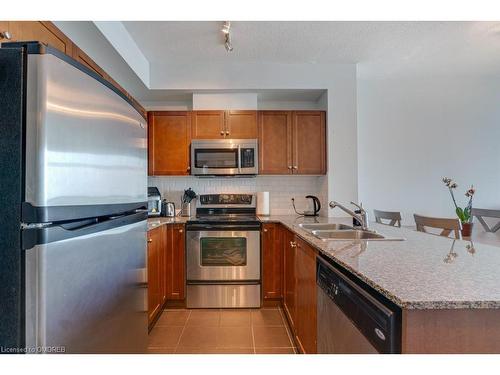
446,224
481,213
394,217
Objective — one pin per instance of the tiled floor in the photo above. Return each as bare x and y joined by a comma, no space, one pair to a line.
221,331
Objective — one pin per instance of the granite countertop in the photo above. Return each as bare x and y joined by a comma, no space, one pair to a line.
423,272
154,222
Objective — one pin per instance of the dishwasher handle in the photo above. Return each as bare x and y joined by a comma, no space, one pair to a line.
378,322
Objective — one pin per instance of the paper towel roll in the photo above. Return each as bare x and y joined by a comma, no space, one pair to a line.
263,203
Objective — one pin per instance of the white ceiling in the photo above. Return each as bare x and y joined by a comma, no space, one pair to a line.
470,43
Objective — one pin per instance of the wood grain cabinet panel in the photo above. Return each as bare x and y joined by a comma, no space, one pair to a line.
272,261
42,31
84,59
176,264
290,277
154,264
169,139
275,142
208,124
241,124
306,320
309,142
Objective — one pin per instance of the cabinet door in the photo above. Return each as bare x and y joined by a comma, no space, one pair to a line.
275,141
207,124
41,31
241,124
176,276
289,285
309,142
154,292
162,261
168,139
272,261
83,58
4,27
306,325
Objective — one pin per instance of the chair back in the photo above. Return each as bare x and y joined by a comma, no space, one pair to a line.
394,217
481,213
446,224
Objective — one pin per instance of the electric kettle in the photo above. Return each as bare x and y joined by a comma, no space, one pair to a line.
316,206
167,208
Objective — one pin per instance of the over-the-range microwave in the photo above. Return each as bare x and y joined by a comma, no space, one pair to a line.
224,157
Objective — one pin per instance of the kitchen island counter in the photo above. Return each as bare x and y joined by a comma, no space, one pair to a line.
422,272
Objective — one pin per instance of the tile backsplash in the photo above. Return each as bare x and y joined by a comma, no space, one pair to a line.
281,189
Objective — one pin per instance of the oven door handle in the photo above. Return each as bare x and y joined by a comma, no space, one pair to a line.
230,227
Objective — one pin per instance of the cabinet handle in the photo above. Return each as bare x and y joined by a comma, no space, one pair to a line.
222,132
293,244
150,240
180,230
289,167
227,132
294,167
265,229
5,35
188,168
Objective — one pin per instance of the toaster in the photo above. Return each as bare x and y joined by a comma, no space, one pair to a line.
154,201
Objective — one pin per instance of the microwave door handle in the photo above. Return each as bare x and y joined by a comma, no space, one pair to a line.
239,159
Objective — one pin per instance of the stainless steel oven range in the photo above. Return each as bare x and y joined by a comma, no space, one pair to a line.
223,253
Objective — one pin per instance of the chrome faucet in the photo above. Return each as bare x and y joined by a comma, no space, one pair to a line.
361,217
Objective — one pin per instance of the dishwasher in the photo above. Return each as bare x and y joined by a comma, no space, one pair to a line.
353,319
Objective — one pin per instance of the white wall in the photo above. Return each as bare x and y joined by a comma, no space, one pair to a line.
415,128
339,80
88,37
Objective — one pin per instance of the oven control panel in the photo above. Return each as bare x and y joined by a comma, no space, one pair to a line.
226,199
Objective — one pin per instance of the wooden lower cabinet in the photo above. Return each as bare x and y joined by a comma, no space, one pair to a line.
289,277
306,320
166,267
155,264
272,261
175,262
299,290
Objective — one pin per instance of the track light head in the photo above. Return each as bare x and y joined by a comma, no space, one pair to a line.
226,27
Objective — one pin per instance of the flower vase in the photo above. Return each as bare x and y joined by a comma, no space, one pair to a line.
466,229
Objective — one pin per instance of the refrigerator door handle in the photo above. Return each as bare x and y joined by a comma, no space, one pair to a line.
38,236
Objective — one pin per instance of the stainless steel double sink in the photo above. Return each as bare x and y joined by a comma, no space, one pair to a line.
342,232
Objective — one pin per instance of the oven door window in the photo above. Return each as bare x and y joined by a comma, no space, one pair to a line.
216,158
223,251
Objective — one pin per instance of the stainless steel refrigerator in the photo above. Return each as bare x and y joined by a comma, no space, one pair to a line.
73,226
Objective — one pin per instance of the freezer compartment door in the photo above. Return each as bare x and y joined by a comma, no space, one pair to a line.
85,145
88,294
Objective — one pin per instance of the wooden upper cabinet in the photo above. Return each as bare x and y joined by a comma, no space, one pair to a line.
176,264
207,124
241,124
168,141
84,59
42,31
272,261
275,142
309,142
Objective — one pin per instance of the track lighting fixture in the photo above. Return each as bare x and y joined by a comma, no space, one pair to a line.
226,28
